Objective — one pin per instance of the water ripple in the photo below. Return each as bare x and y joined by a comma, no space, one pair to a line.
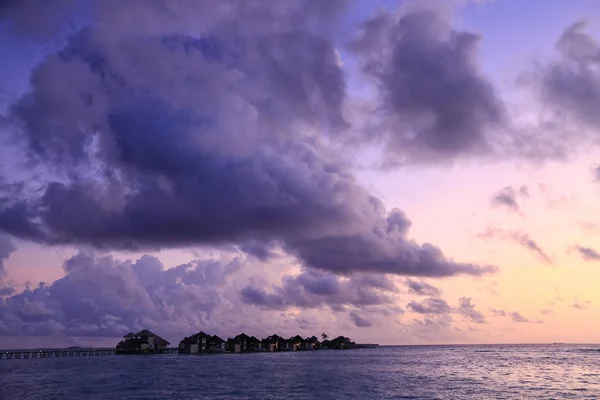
407,372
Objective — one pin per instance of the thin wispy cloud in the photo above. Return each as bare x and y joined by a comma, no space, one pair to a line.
581,305
517,237
588,253
530,244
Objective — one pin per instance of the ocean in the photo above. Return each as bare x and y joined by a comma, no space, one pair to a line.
399,372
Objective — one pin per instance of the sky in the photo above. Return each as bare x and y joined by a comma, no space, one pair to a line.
398,172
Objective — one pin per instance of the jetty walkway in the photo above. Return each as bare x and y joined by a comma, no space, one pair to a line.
56,353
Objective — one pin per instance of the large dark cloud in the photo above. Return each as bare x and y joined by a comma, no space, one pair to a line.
151,138
571,84
345,253
35,19
436,104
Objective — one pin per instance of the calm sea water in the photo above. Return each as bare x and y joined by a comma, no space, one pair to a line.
419,372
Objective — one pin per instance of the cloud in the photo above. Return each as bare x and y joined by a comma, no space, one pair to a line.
498,313
382,249
317,289
517,317
156,139
467,309
360,321
519,238
36,20
103,296
596,173
436,329
581,305
587,253
508,197
431,305
571,84
438,306
435,102
6,249
530,244
422,288
259,297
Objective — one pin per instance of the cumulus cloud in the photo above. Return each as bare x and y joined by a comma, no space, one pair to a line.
431,305
517,317
571,84
508,197
435,102
587,253
103,296
436,329
317,289
156,138
422,288
467,309
6,249
439,306
498,313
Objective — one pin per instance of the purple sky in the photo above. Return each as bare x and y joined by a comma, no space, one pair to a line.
395,171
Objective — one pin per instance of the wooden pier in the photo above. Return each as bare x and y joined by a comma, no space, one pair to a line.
57,353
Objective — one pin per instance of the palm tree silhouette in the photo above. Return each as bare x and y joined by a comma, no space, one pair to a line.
324,336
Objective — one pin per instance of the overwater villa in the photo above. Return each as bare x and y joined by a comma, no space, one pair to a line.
202,343
144,341
243,343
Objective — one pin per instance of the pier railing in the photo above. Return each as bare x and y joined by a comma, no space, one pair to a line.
56,353
92,352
